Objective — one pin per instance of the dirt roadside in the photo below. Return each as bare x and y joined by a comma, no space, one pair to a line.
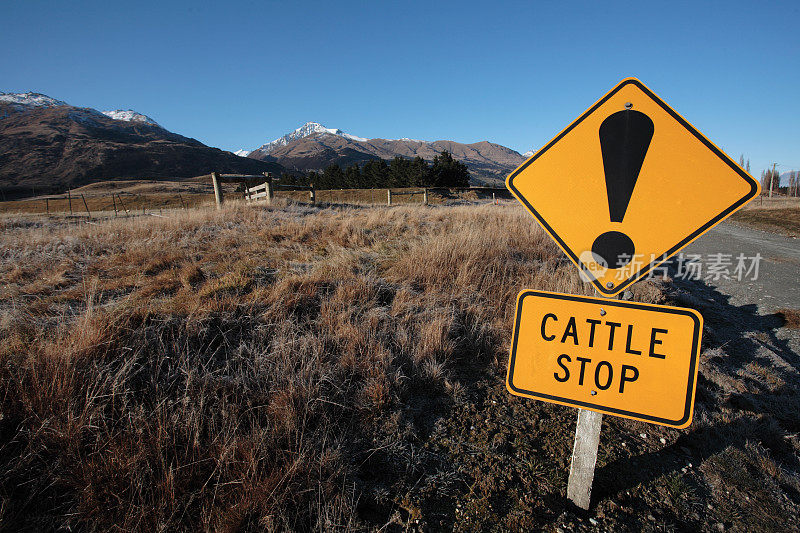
735,468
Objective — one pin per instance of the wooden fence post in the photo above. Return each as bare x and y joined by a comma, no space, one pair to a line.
86,206
218,197
47,205
389,196
425,196
270,190
313,194
69,198
122,204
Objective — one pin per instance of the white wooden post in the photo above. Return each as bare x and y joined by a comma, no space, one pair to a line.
584,451
313,194
584,458
389,196
425,196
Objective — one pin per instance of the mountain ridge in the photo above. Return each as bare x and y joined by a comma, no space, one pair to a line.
314,147
50,145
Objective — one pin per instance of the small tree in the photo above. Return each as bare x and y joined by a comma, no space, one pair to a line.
744,164
376,173
353,177
332,177
399,169
420,172
447,172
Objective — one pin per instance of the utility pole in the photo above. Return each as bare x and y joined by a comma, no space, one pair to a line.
772,178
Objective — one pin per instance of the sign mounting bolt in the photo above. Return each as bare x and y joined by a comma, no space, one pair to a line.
628,105
602,312
594,393
610,285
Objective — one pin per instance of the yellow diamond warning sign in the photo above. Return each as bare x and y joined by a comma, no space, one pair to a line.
621,358
628,184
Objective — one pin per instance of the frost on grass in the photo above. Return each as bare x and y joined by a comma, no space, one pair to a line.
286,368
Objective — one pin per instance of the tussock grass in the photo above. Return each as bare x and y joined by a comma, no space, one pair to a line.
791,318
782,218
236,369
298,368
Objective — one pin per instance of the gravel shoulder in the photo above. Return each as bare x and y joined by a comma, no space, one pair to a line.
777,284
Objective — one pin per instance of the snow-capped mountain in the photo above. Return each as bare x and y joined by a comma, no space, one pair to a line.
309,128
786,176
49,144
38,100
528,154
30,99
313,147
242,153
131,116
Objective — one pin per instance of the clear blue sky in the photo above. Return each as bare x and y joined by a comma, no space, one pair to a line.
237,74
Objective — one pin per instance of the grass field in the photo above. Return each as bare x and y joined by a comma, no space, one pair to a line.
780,216
339,368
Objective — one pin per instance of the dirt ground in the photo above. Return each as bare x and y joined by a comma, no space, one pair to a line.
499,463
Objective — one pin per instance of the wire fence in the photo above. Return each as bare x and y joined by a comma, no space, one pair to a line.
93,205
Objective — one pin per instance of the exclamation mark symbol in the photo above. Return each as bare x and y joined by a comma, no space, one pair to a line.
624,139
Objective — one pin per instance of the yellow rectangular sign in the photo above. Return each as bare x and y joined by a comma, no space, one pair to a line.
620,358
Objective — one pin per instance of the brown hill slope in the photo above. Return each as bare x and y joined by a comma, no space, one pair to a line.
488,162
50,148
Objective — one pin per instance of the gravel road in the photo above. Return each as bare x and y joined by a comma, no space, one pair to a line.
778,283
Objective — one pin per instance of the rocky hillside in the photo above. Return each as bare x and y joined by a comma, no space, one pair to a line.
313,147
50,145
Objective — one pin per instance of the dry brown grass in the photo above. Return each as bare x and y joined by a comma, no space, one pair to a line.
155,196
285,368
776,202
782,216
222,370
791,318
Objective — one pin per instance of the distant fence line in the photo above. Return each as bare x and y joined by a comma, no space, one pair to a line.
79,205
266,190
252,188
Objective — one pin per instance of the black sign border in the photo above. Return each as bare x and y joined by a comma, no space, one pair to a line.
702,229
586,405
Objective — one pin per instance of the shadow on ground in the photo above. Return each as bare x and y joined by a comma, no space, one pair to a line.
737,464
